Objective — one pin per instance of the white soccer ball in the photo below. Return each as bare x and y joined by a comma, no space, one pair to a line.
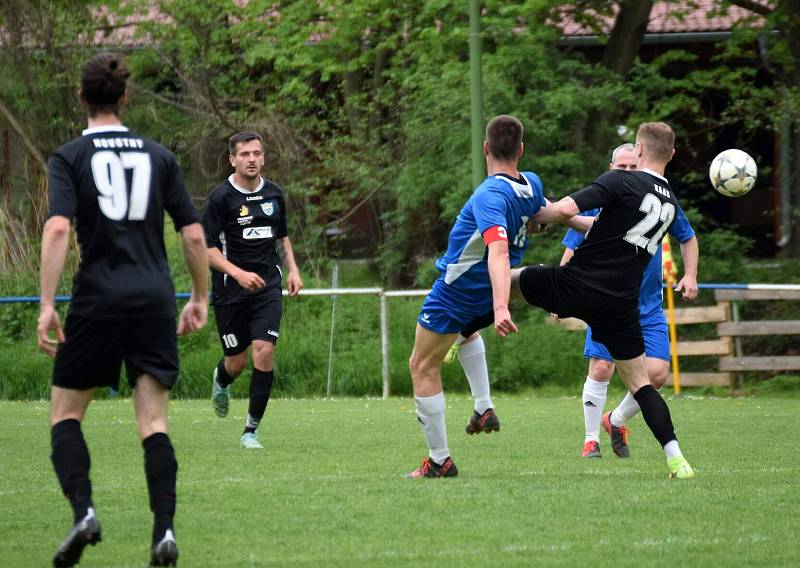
733,173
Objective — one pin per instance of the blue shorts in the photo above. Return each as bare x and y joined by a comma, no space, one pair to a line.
656,342
447,310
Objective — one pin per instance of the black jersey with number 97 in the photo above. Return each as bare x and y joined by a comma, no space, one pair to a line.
637,209
116,186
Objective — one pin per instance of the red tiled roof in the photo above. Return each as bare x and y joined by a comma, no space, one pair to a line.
686,16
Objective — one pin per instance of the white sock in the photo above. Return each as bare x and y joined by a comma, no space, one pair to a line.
672,449
626,410
594,398
430,412
472,356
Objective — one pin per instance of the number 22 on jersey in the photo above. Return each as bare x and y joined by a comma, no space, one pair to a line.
108,170
655,211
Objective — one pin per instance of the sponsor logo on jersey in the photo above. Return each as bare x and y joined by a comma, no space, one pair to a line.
244,211
256,198
272,332
245,220
268,208
257,233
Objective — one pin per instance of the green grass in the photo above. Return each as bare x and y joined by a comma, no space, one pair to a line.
328,489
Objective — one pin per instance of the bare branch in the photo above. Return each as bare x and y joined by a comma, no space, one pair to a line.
754,6
32,148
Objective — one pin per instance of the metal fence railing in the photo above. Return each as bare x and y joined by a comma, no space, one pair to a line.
383,296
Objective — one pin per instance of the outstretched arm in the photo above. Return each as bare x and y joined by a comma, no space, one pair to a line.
559,212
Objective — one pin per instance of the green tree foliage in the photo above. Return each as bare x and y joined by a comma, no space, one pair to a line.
365,103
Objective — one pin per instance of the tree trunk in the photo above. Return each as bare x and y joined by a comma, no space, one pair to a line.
626,36
788,12
619,54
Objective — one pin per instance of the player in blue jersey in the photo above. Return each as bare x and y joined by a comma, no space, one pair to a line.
487,239
654,329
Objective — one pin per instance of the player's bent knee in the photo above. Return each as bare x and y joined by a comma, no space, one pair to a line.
658,377
262,354
421,371
601,370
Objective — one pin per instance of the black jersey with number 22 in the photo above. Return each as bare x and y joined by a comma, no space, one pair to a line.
637,209
116,186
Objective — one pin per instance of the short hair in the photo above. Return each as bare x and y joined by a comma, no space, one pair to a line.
627,147
504,137
241,138
659,139
103,80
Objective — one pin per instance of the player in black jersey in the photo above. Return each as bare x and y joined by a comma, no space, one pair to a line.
600,285
245,220
116,186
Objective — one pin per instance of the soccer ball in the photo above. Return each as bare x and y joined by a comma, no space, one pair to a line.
733,173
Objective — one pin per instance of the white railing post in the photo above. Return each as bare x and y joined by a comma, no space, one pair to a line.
335,284
384,344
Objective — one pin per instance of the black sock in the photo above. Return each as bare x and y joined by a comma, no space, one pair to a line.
260,387
223,378
656,414
161,471
71,461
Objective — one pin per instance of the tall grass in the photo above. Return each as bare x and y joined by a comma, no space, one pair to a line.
539,355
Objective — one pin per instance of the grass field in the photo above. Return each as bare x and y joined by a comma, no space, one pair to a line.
329,491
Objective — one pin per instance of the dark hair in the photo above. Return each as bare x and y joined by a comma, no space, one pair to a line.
241,138
658,140
504,137
103,83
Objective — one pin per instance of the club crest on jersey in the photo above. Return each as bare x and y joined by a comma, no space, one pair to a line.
268,208
244,211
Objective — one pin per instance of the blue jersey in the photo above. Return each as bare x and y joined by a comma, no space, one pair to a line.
498,201
651,292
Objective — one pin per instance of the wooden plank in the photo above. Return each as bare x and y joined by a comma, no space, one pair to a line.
759,363
712,347
703,379
731,295
708,314
776,327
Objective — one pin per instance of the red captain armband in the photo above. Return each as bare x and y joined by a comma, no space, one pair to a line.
496,233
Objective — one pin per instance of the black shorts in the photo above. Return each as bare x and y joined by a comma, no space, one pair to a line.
614,321
94,350
478,324
241,323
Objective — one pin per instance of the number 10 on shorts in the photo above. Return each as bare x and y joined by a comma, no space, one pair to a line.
230,341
